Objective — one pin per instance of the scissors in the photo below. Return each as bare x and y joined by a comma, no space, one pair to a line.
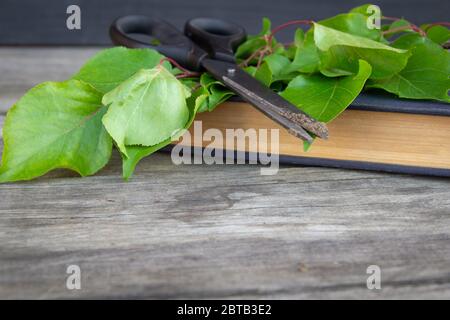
208,44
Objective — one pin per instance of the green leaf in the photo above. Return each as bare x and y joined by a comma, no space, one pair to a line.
55,125
110,67
400,23
368,10
218,95
363,9
352,23
215,91
307,57
426,76
299,37
273,68
341,51
137,153
326,37
307,145
251,70
264,74
325,98
291,49
146,109
438,34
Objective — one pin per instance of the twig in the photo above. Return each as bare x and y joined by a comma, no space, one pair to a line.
444,24
185,74
411,26
252,56
284,26
268,48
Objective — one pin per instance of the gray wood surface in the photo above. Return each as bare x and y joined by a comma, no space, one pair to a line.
216,231
22,69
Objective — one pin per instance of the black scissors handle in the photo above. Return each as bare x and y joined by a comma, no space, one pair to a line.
218,37
210,37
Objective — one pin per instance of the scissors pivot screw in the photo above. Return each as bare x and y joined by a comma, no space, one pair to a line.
231,71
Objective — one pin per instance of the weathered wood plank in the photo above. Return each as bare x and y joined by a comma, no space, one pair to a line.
225,232
23,68
215,231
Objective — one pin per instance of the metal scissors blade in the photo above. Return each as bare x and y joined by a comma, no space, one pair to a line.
265,100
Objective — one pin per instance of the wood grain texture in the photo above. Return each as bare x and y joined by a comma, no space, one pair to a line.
23,68
198,231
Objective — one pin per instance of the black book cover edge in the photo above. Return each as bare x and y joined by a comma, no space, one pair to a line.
384,102
380,101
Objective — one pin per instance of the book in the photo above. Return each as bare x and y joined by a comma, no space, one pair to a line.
377,132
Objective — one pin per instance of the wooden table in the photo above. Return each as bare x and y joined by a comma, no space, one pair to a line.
203,231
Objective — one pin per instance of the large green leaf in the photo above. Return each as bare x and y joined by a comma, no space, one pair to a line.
341,51
352,23
55,125
426,76
146,109
110,67
326,38
325,98
137,153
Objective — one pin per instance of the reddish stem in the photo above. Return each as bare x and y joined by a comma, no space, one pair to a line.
260,59
284,26
411,26
390,18
408,27
252,56
185,74
188,75
418,30
444,24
